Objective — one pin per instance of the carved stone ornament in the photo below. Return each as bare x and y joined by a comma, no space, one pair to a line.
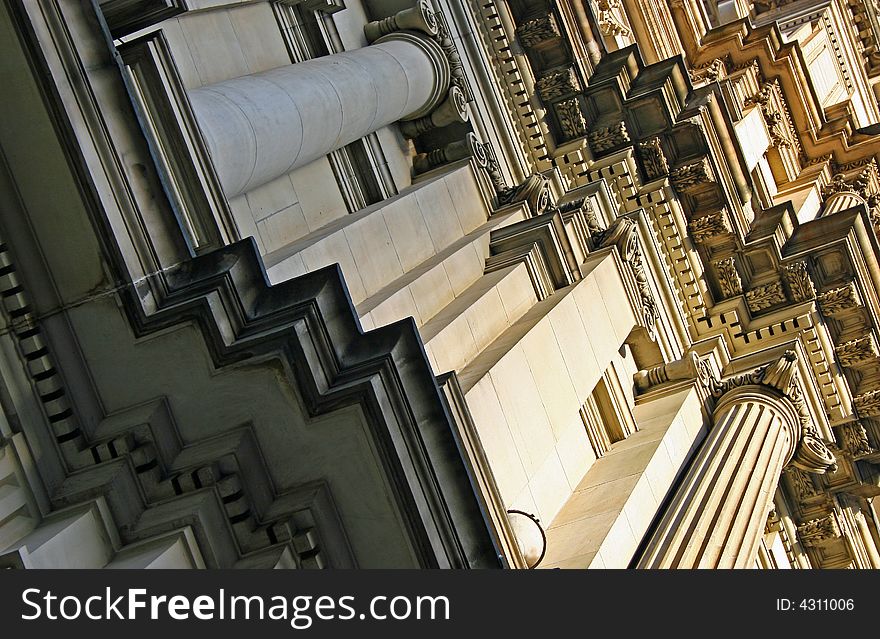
854,439
818,532
802,483
692,175
773,107
419,17
708,226
538,30
765,296
709,72
456,68
839,184
800,284
622,234
653,159
585,208
811,454
868,404
773,523
857,351
493,169
602,140
557,83
535,190
728,277
837,300
611,18
571,118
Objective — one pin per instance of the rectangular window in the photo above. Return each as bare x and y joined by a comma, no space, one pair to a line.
606,415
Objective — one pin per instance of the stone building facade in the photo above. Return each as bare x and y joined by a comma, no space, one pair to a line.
444,283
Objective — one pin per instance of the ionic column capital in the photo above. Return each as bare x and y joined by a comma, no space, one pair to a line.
780,379
452,110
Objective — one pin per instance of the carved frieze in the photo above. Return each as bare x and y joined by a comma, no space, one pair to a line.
764,296
728,277
571,118
585,208
538,30
857,351
653,159
838,300
800,284
709,226
493,168
557,83
447,44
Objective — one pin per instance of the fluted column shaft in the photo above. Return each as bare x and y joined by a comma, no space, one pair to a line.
259,127
716,518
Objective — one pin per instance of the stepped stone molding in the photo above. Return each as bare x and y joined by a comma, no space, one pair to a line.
543,245
295,313
338,366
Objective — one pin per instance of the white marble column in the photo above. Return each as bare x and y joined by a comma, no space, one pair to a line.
716,517
258,127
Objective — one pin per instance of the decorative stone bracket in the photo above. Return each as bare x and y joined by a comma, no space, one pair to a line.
622,234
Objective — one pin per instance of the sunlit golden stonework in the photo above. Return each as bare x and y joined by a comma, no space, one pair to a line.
445,283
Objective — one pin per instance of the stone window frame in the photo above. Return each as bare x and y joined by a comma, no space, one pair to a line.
606,414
